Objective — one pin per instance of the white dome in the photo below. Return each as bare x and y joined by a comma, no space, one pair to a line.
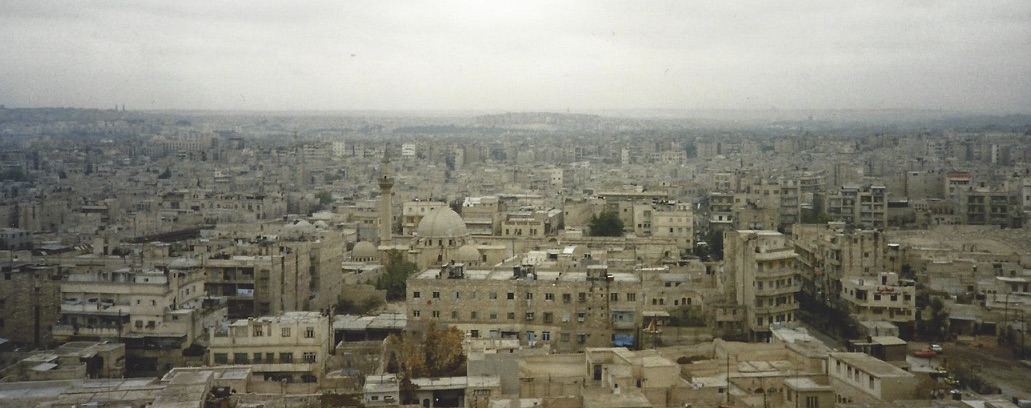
442,222
468,253
364,249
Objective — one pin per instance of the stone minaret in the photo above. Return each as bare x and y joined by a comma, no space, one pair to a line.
386,182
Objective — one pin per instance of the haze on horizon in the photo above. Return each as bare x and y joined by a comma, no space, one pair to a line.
522,56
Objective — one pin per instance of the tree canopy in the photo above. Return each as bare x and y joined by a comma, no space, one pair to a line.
606,224
394,278
436,353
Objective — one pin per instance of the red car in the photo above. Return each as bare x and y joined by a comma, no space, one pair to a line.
925,353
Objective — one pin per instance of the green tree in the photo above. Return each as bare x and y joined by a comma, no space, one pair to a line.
939,324
325,199
394,278
606,224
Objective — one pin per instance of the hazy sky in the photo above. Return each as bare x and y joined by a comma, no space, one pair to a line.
517,55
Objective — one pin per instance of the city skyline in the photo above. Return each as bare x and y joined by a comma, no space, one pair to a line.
954,56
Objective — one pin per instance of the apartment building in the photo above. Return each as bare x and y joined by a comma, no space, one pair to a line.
30,296
563,310
864,206
291,347
829,253
260,285
760,266
482,215
989,206
882,297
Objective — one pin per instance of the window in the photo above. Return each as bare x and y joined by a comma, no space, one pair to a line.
474,334
286,332
580,316
458,295
221,358
529,296
270,357
473,315
564,337
493,315
416,295
812,402
631,297
511,315
529,315
492,295
581,338
566,298
511,295
545,336
309,357
309,332
548,317
614,297
257,358
871,382
582,297
436,314
286,358
436,295
258,331
240,358
549,296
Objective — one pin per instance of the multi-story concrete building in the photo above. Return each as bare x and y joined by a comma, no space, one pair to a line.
482,215
986,206
760,266
564,310
864,206
829,253
30,296
291,347
882,297
260,285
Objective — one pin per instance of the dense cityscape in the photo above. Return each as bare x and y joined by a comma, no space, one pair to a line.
751,259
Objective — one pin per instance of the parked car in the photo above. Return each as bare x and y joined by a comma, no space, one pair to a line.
925,353
937,348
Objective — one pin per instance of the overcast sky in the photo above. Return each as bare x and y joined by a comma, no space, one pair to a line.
517,55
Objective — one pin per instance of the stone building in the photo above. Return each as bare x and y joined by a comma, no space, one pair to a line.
30,298
562,310
760,268
291,347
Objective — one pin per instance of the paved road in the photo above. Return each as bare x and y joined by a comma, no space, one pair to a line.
993,363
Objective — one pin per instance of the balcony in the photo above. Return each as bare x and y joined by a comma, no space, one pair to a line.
67,331
95,309
624,325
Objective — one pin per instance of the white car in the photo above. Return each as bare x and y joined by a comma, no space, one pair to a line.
937,348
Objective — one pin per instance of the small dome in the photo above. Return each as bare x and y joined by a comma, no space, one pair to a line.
442,222
364,249
468,253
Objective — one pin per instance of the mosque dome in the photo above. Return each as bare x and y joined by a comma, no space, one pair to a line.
468,253
442,222
364,250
